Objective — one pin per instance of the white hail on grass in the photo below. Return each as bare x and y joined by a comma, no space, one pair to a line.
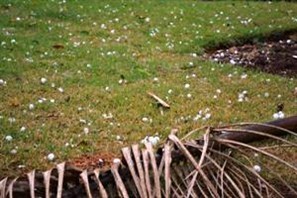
150,139
257,168
204,115
118,138
116,161
50,157
121,81
43,80
187,86
86,130
2,82
243,76
107,115
233,62
8,138
278,115
103,26
21,166
31,106
22,129
107,89
61,90
13,151
242,96
11,119
145,119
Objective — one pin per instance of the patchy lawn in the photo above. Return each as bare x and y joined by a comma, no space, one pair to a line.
74,75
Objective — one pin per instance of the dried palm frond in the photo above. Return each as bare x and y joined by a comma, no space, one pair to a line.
220,164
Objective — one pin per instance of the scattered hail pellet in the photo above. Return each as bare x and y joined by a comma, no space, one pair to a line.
145,119
31,106
50,157
61,90
2,82
23,129
116,161
43,80
257,168
150,139
86,130
278,115
8,138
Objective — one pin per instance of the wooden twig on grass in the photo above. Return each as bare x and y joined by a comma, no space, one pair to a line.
159,100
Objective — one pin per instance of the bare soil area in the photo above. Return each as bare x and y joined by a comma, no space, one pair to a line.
273,56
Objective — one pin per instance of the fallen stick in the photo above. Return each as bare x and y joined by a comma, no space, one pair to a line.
159,100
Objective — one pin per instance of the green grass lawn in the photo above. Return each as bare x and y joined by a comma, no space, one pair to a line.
100,58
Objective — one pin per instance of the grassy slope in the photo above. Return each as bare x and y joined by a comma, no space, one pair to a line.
94,58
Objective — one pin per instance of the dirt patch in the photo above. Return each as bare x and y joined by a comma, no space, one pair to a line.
273,56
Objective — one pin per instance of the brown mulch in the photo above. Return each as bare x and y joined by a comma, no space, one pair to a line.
276,56
91,162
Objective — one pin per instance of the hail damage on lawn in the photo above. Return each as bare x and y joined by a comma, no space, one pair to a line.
74,75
